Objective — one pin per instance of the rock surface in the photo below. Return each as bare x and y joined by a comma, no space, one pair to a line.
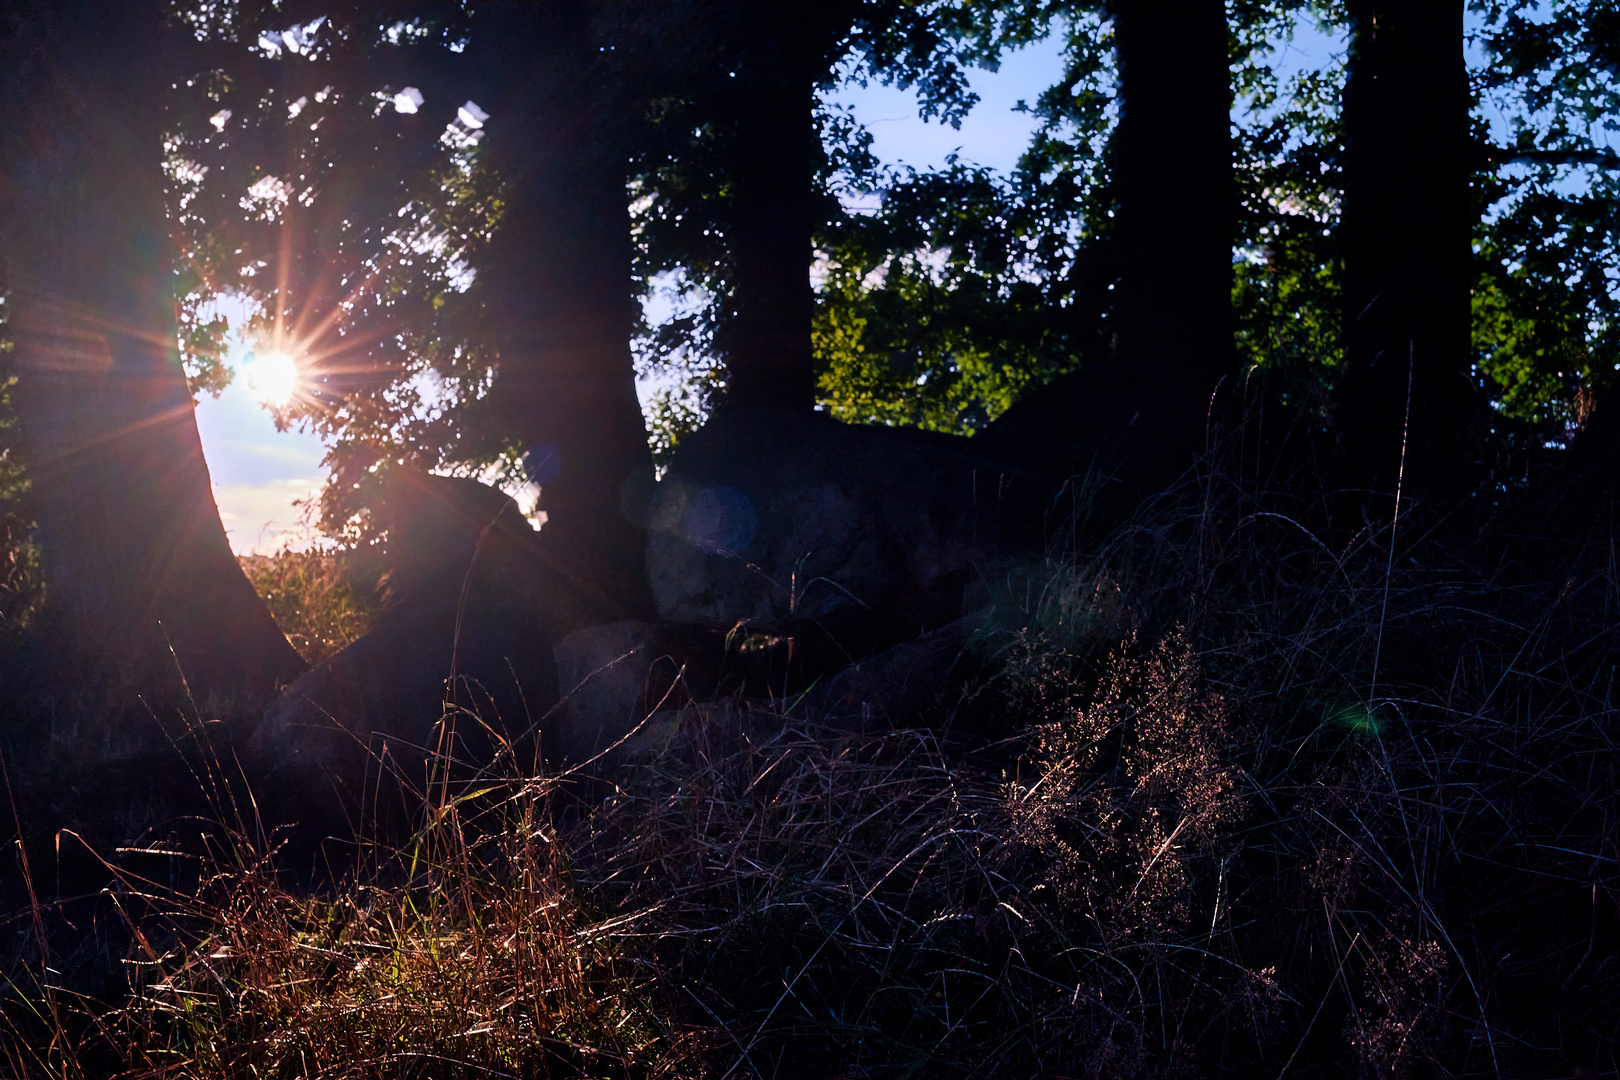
789,546
766,518
895,687
462,658
1114,428
602,679
424,684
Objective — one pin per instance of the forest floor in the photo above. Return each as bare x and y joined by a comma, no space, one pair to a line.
1220,797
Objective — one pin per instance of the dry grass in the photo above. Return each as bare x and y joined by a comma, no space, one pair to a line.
465,952
482,963
1235,799
879,905
316,598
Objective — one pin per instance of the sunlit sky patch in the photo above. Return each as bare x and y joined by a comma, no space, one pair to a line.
992,134
271,377
257,471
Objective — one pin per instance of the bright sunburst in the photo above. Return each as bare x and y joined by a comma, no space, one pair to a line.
272,377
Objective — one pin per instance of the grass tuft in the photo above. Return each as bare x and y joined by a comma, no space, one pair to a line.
1229,798
317,598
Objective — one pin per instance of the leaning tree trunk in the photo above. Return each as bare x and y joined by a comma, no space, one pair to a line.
1405,235
137,562
560,287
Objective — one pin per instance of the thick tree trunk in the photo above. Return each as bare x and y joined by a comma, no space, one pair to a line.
1405,236
136,559
560,287
1141,417
1176,207
764,335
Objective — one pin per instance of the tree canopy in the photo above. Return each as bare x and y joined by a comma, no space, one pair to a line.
330,160
448,212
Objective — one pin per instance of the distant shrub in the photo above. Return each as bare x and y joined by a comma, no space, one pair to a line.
320,602
21,589
21,586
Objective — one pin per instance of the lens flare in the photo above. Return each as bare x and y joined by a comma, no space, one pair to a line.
272,377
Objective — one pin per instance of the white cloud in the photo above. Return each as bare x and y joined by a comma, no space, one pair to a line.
258,471
261,518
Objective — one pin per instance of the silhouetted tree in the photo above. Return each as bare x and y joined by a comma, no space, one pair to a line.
1406,241
474,229
782,53
737,164
1163,235
136,558
1175,201
556,277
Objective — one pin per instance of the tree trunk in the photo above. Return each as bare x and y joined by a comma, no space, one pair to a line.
1176,209
764,335
136,559
561,289
1405,236
1142,417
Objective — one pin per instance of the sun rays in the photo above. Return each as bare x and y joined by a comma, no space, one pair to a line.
305,352
272,377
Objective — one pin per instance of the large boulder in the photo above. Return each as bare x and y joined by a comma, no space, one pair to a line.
767,520
1123,431
602,676
915,682
901,686
427,689
461,664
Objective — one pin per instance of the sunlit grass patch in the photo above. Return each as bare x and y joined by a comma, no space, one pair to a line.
1354,718
314,597
466,952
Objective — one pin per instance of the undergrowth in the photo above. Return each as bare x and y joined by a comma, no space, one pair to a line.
318,598
1233,798
465,951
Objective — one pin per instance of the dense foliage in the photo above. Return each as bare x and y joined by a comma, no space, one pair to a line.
960,291
1546,303
322,600
20,585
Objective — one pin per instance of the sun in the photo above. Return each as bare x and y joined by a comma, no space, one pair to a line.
272,377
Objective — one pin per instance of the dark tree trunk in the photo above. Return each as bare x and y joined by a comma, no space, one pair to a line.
136,559
1142,416
764,335
1176,203
560,287
1405,236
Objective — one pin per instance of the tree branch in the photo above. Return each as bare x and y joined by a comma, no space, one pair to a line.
1602,158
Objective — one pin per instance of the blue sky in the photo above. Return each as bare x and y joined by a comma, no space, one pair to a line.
258,472
992,134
